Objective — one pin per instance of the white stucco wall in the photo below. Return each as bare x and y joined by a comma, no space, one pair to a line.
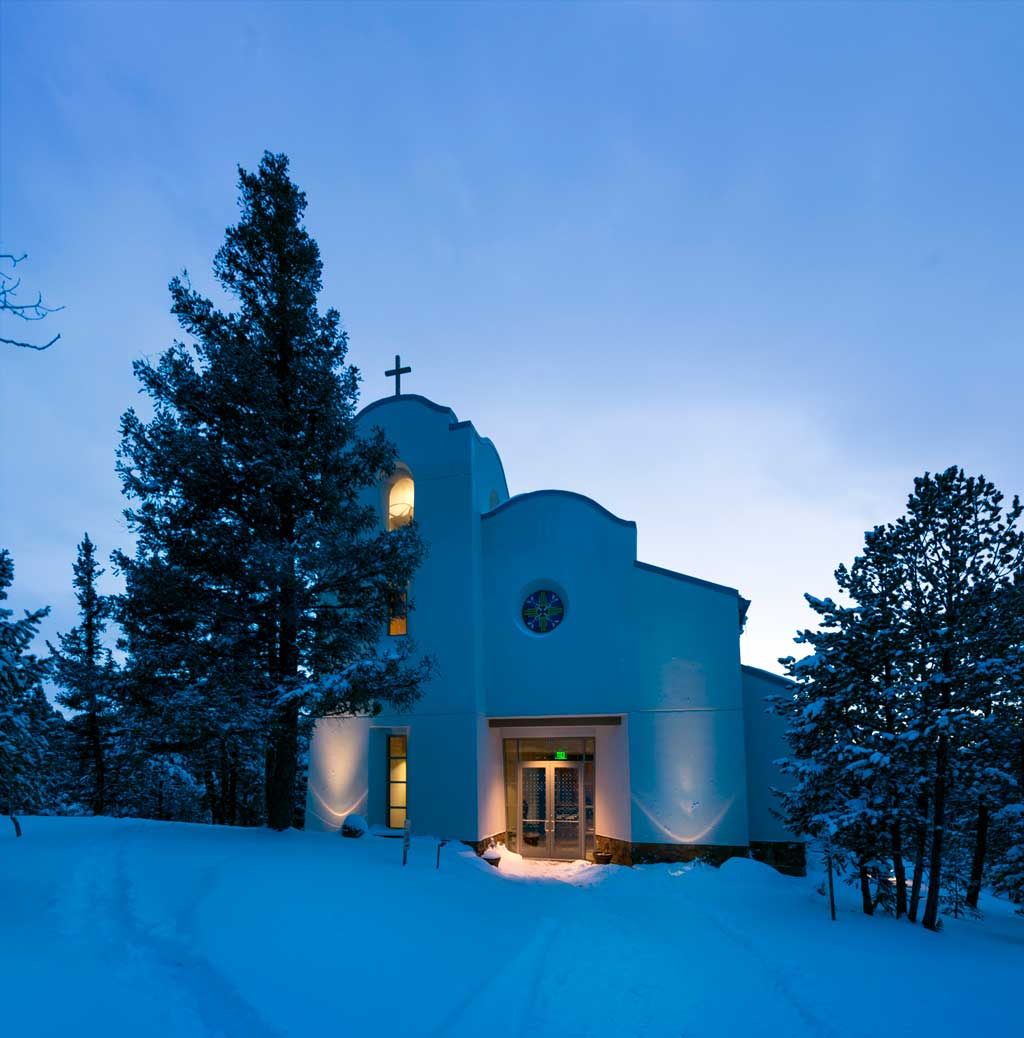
338,771
765,743
688,777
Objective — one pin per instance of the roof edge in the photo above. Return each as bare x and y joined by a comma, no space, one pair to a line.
440,408
561,493
686,578
768,675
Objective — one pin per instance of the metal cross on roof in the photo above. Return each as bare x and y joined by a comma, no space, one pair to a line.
397,372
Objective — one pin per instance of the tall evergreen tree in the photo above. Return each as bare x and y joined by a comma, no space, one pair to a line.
260,584
23,743
904,717
961,550
84,670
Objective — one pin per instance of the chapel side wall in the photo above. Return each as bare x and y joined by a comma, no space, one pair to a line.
765,743
687,643
338,772
686,741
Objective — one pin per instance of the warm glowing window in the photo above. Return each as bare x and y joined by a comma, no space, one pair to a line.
398,748
401,499
398,622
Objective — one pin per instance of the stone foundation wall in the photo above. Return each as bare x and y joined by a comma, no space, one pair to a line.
789,858
621,852
713,854
481,845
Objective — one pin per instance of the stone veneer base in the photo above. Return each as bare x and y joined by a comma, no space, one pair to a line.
787,857
481,845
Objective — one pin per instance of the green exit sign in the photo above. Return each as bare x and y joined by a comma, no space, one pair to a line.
561,755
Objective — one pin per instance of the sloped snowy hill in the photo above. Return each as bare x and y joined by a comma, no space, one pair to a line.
114,928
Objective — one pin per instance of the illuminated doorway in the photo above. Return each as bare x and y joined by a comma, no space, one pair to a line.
549,797
552,819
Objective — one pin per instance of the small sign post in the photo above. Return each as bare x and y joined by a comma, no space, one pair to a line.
405,842
440,844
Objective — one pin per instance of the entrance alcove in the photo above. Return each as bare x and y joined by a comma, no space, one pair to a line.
549,796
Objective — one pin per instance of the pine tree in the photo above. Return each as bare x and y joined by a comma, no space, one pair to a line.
260,584
1007,819
906,718
84,670
23,744
961,551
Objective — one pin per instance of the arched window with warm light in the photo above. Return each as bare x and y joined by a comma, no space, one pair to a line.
401,501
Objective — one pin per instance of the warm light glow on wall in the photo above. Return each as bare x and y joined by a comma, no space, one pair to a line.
401,499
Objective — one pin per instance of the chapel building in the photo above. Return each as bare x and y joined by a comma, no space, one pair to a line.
584,701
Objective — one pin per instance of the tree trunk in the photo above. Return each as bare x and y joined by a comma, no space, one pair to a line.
865,890
899,869
16,824
930,919
212,796
978,858
99,800
922,835
232,805
831,889
282,767
283,749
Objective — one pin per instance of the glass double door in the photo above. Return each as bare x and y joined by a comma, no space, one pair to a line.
552,817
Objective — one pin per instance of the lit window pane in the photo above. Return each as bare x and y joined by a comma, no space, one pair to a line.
401,499
396,817
398,625
398,794
397,770
396,745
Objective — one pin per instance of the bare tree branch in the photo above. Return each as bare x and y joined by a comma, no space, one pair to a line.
35,311
29,345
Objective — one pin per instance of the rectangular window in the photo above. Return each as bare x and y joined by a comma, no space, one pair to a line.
398,622
511,754
398,749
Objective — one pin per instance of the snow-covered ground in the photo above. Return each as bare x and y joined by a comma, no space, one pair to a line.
114,928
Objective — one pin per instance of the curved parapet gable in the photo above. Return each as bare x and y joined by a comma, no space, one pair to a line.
413,398
569,494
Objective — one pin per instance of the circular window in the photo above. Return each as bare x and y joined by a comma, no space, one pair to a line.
543,611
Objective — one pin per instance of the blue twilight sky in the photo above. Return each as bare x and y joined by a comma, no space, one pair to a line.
739,272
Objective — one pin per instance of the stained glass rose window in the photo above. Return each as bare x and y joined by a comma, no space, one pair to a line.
543,611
